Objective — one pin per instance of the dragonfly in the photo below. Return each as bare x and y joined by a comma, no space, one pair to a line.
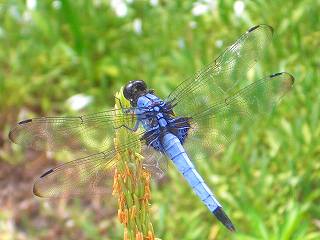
205,110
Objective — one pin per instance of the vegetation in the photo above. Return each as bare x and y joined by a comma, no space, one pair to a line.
131,184
268,179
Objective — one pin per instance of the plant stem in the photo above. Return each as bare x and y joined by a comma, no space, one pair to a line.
131,182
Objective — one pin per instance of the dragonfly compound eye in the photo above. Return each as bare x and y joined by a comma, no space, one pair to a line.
134,89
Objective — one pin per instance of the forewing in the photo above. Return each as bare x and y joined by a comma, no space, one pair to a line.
219,124
218,79
81,133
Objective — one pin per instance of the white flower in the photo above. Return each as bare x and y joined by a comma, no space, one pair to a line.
2,33
120,7
154,2
193,24
219,43
70,223
14,12
199,9
181,43
56,4
31,4
238,7
137,25
202,6
26,16
79,101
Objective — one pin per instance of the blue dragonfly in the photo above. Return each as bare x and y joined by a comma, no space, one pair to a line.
206,109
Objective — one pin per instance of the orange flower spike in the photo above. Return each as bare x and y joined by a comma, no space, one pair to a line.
115,186
123,177
125,217
147,185
139,235
146,198
128,171
147,192
119,188
133,212
146,175
150,235
125,234
131,182
145,201
121,201
120,215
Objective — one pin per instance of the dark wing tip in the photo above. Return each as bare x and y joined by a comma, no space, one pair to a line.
46,173
35,189
260,25
25,121
290,77
253,28
275,74
13,131
222,217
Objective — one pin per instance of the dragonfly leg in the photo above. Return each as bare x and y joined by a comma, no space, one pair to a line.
121,106
124,110
130,129
134,129
119,101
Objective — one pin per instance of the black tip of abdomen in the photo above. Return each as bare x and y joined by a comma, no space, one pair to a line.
222,217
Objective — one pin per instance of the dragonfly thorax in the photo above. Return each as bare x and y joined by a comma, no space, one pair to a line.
153,111
158,119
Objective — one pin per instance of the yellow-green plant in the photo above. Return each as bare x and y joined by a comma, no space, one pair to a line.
131,181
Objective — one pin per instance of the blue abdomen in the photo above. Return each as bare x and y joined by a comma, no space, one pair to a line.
175,151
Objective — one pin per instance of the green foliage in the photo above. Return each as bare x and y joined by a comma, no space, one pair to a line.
268,180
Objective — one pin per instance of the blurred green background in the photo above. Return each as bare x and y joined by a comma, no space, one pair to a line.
68,57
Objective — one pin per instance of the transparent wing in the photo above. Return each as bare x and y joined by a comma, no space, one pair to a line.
84,133
94,174
88,175
220,123
154,162
218,79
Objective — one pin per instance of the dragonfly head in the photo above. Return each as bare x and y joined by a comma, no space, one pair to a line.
133,90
